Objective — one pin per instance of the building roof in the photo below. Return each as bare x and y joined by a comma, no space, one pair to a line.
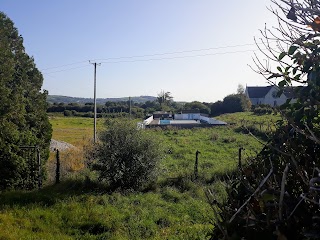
258,92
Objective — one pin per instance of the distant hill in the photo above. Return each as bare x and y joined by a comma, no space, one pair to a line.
65,99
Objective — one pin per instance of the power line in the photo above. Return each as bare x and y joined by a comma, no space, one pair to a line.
160,59
155,54
63,70
177,52
69,64
179,57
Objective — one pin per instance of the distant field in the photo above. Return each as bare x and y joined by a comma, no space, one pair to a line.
250,117
218,146
73,129
175,207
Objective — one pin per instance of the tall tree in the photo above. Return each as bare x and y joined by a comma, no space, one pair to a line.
164,99
23,118
240,89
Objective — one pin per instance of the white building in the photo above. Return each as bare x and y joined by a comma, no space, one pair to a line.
185,119
267,95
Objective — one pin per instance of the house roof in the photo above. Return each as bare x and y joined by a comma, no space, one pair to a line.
258,92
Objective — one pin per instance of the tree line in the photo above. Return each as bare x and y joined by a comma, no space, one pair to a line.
237,102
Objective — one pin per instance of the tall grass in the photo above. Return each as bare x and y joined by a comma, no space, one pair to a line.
173,207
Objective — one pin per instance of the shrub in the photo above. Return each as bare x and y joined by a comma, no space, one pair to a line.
125,157
67,113
262,109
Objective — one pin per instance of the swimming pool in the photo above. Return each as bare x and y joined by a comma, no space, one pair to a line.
164,122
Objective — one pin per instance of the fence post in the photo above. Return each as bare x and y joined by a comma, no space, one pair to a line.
196,166
239,163
57,167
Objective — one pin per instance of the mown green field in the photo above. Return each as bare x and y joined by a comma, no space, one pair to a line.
173,207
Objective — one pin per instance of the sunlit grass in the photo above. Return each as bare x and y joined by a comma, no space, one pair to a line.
74,130
173,207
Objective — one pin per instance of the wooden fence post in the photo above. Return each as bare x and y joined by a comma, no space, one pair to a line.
239,163
57,167
196,166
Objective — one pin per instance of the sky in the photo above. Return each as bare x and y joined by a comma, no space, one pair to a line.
199,50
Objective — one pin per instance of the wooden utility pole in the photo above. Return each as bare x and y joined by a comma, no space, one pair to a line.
95,101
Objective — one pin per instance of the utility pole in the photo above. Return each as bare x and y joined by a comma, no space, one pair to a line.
95,101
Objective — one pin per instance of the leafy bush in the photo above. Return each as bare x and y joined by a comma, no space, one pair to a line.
125,157
67,113
262,109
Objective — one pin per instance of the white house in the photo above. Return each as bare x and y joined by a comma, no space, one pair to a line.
267,95
185,119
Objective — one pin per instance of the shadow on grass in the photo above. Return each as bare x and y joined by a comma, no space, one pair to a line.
49,195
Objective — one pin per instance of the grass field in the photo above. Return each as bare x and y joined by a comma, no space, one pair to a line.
73,130
174,207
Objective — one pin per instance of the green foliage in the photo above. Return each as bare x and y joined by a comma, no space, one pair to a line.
262,109
126,157
230,104
195,105
111,109
174,207
277,193
23,118
164,99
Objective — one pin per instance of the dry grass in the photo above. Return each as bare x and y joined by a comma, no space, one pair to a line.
76,131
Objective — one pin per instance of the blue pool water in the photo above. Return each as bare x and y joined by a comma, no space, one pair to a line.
163,122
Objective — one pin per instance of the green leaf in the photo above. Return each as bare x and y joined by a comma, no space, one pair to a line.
279,69
282,84
292,49
282,55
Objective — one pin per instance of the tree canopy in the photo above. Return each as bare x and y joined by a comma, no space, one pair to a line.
164,99
195,105
23,118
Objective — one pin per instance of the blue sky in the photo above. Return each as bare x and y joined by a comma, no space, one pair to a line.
63,35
